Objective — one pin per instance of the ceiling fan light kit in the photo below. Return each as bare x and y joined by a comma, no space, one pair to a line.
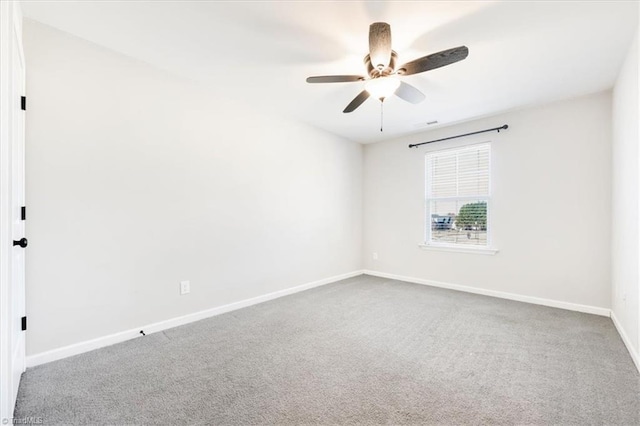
384,78
382,87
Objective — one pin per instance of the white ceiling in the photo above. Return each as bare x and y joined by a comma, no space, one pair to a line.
259,53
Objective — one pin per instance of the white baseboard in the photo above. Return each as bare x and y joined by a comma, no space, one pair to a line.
100,342
634,354
500,294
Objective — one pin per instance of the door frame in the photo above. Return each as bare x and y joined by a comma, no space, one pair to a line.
10,32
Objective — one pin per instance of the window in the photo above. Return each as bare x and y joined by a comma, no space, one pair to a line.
458,197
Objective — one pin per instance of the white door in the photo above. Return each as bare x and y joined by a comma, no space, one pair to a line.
17,203
12,227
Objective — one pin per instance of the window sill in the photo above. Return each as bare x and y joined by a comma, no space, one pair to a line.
459,249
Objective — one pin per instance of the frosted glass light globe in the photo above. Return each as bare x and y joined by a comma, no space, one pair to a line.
382,87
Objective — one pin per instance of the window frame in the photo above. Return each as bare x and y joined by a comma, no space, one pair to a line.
428,243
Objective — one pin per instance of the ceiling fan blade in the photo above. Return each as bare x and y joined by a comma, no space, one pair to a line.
435,60
357,101
380,44
334,79
409,93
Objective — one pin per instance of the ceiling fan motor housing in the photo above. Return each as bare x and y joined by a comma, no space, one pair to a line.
375,72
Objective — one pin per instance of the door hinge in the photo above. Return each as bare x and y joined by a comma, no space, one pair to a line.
23,103
24,323
23,213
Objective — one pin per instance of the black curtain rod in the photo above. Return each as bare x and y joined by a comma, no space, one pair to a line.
505,127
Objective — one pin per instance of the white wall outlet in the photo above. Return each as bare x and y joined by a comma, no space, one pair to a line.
185,287
624,297
375,256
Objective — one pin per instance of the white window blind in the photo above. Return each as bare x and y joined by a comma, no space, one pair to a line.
458,196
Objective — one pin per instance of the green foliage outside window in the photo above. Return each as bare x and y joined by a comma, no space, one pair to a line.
472,216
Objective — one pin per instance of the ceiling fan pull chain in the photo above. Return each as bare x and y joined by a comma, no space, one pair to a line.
381,112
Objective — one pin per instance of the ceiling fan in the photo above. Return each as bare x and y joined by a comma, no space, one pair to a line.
383,78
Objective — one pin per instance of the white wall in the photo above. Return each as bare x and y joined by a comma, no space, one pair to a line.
625,190
137,179
550,207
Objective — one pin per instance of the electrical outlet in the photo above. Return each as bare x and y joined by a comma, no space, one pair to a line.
375,256
185,287
624,297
